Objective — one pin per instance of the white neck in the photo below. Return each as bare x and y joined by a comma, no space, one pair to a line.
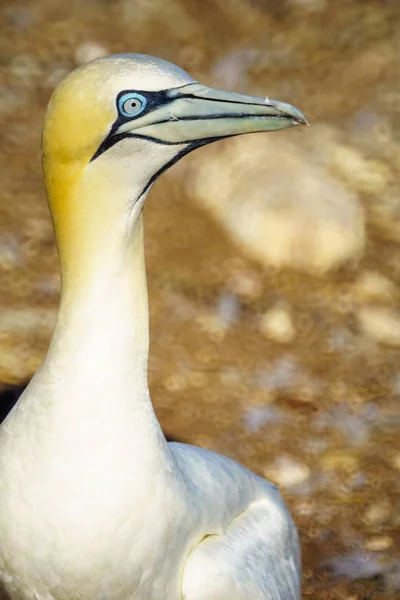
102,326
96,366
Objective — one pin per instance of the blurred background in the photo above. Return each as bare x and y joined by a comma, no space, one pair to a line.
273,260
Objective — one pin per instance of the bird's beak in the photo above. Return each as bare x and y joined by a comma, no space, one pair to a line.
197,114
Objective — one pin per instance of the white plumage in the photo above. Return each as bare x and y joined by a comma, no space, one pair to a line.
94,503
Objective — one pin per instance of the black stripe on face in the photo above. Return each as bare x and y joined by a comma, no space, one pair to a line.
162,98
189,148
154,100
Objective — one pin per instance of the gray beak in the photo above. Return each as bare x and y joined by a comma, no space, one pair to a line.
196,113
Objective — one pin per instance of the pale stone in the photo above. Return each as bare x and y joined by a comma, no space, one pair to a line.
89,51
380,323
213,325
287,472
197,379
175,383
396,462
10,251
280,208
305,508
25,320
228,308
246,285
372,285
377,513
378,543
339,460
277,325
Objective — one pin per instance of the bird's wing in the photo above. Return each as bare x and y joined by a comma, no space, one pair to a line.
256,559
249,549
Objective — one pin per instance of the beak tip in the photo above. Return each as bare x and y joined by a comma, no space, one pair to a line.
298,117
303,121
297,123
289,111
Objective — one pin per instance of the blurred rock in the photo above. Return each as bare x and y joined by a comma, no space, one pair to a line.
396,462
175,382
357,565
228,308
226,313
277,325
278,207
372,285
287,377
340,461
10,251
246,284
355,425
305,508
378,543
213,325
341,340
49,285
362,175
197,379
287,472
381,323
26,320
283,374
89,51
377,513
256,417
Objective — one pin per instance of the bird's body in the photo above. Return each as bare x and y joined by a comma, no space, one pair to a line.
94,503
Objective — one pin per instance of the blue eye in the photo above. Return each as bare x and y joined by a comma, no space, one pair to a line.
131,104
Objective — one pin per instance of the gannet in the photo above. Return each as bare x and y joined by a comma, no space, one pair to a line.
94,503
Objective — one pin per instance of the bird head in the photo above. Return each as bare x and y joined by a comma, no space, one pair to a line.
115,124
